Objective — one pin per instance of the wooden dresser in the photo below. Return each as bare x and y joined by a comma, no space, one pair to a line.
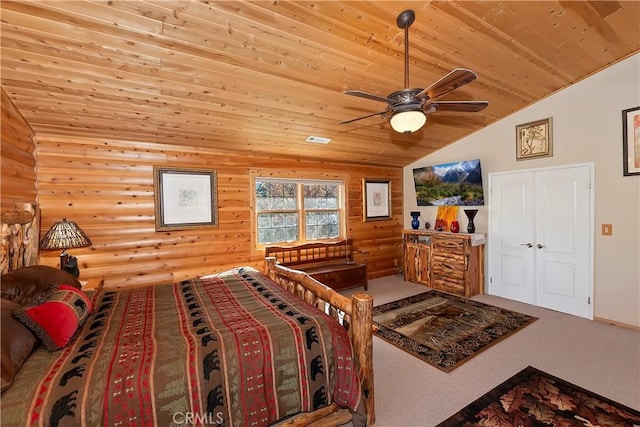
449,262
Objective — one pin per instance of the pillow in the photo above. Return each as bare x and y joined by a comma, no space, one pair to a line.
57,320
34,284
17,343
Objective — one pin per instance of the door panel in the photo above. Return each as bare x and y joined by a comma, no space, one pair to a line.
513,271
558,279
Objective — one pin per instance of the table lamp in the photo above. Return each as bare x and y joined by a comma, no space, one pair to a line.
65,235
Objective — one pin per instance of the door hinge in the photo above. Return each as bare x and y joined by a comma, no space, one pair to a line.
490,279
589,300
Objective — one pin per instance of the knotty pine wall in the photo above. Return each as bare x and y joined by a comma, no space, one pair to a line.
107,188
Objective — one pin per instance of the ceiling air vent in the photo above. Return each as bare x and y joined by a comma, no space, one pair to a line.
318,140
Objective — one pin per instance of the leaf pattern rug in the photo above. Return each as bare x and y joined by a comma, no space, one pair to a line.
445,330
535,398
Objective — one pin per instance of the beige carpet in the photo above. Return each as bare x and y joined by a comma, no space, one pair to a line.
409,392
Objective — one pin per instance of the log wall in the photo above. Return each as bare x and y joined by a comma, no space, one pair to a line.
18,157
107,188
20,219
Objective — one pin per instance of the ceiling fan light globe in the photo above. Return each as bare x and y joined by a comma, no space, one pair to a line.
408,121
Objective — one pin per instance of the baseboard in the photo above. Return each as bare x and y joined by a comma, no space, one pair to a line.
616,323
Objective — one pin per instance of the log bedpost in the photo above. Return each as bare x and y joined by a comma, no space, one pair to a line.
20,227
362,339
20,213
269,263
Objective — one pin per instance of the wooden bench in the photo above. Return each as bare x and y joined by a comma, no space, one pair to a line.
330,263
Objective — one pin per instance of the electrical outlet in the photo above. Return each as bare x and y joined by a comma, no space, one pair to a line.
607,229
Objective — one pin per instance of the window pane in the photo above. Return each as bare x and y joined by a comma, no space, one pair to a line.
321,196
277,220
275,195
278,234
325,230
312,233
264,221
291,234
322,225
312,218
291,220
265,236
277,227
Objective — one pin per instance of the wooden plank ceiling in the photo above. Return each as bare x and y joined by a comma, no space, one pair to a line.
260,77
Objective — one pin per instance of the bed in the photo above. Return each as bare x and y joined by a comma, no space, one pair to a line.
233,349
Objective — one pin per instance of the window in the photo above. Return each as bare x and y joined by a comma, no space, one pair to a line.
289,211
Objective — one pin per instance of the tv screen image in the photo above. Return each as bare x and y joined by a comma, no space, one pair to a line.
449,184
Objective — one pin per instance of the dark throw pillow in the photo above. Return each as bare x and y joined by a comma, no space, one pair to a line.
17,343
57,320
34,284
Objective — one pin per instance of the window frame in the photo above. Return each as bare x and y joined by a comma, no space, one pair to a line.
300,210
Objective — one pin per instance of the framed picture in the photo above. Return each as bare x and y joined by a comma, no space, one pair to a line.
534,140
631,141
376,199
185,198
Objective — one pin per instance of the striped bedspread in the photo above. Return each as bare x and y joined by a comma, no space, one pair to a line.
231,349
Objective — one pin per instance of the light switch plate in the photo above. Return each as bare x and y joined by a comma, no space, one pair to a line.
607,229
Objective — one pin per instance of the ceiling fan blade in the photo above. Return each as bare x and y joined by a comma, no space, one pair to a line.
453,80
464,106
364,117
368,95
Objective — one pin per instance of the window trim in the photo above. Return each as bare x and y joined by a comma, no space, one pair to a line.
273,176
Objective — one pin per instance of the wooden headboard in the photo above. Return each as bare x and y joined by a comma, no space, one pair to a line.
20,227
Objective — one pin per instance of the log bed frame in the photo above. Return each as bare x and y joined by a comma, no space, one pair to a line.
355,314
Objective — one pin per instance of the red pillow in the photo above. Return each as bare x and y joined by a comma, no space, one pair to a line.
57,320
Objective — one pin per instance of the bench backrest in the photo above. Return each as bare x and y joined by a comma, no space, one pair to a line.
311,253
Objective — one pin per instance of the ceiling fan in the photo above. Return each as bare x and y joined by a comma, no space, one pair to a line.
408,108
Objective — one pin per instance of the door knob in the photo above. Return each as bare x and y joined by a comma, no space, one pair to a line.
529,245
540,246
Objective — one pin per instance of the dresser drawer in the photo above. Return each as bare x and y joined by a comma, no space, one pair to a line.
451,286
445,274
450,262
449,245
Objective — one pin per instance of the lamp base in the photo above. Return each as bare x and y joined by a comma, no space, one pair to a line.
63,259
69,264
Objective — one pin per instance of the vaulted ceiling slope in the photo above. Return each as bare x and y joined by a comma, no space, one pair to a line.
259,77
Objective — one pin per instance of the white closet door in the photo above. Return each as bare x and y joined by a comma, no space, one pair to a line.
540,237
562,243
511,237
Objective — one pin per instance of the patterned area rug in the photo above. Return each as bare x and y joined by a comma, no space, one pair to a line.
535,398
445,330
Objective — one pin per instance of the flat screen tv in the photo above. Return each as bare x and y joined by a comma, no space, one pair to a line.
449,184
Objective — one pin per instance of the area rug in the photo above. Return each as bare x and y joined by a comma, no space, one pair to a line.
534,398
445,330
